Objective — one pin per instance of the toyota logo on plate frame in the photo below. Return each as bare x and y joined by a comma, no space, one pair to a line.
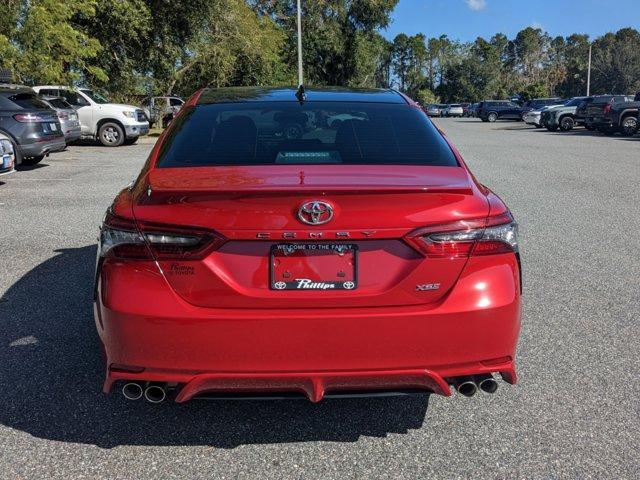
315,212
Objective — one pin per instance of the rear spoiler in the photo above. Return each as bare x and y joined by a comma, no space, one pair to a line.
160,196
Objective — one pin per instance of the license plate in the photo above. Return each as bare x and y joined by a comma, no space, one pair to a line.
7,162
314,266
53,127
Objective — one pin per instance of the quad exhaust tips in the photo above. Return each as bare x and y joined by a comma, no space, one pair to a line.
132,391
487,383
155,393
152,392
468,386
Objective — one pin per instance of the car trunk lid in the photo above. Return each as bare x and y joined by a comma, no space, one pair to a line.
257,210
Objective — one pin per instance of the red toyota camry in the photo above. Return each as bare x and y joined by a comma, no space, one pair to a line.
281,243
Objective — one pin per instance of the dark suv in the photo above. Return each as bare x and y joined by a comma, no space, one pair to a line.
619,113
492,110
32,127
599,112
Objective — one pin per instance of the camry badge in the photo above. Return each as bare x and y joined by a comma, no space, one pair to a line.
315,212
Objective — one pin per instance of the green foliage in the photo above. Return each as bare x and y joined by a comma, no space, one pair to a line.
372,61
123,28
238,48
339,38
130,48
536,90
616,62
46,45
409,58
426,96
532,64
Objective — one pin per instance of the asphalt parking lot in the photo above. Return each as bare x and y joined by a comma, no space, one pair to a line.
575,413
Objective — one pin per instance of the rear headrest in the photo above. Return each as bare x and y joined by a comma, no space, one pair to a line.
369,139
236,138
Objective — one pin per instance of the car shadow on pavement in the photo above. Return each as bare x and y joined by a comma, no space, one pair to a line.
26,168
51,374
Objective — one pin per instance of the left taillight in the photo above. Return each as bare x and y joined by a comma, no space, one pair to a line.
123,238
29,118
465,238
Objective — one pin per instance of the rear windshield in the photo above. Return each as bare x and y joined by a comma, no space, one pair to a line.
287,133
28,101
59,103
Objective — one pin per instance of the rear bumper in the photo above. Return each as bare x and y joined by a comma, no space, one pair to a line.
42,147
160,337
72,134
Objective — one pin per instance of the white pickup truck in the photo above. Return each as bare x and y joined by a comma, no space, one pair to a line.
112,124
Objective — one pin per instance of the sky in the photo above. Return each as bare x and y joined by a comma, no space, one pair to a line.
466,20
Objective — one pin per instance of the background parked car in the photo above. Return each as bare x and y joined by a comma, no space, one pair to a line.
68,118
534,117
7,155
492,110
581,113
599,110
465,109
454,110
32,127
561,116
619,117
538,104
161,109
112,124
432,110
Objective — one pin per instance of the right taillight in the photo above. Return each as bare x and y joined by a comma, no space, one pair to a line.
489,236
123,238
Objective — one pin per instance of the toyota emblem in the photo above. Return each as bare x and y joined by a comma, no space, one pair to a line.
315,212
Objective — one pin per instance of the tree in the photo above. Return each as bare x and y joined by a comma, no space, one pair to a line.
47,44
235,48
337,33
616,62
373,62
576,52
530,50
534,90
426,96
123,29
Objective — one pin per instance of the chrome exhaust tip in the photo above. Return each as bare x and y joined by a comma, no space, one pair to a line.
466,386
132,391
487,383
155,393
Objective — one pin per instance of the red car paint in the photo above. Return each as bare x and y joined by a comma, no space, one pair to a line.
210,321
